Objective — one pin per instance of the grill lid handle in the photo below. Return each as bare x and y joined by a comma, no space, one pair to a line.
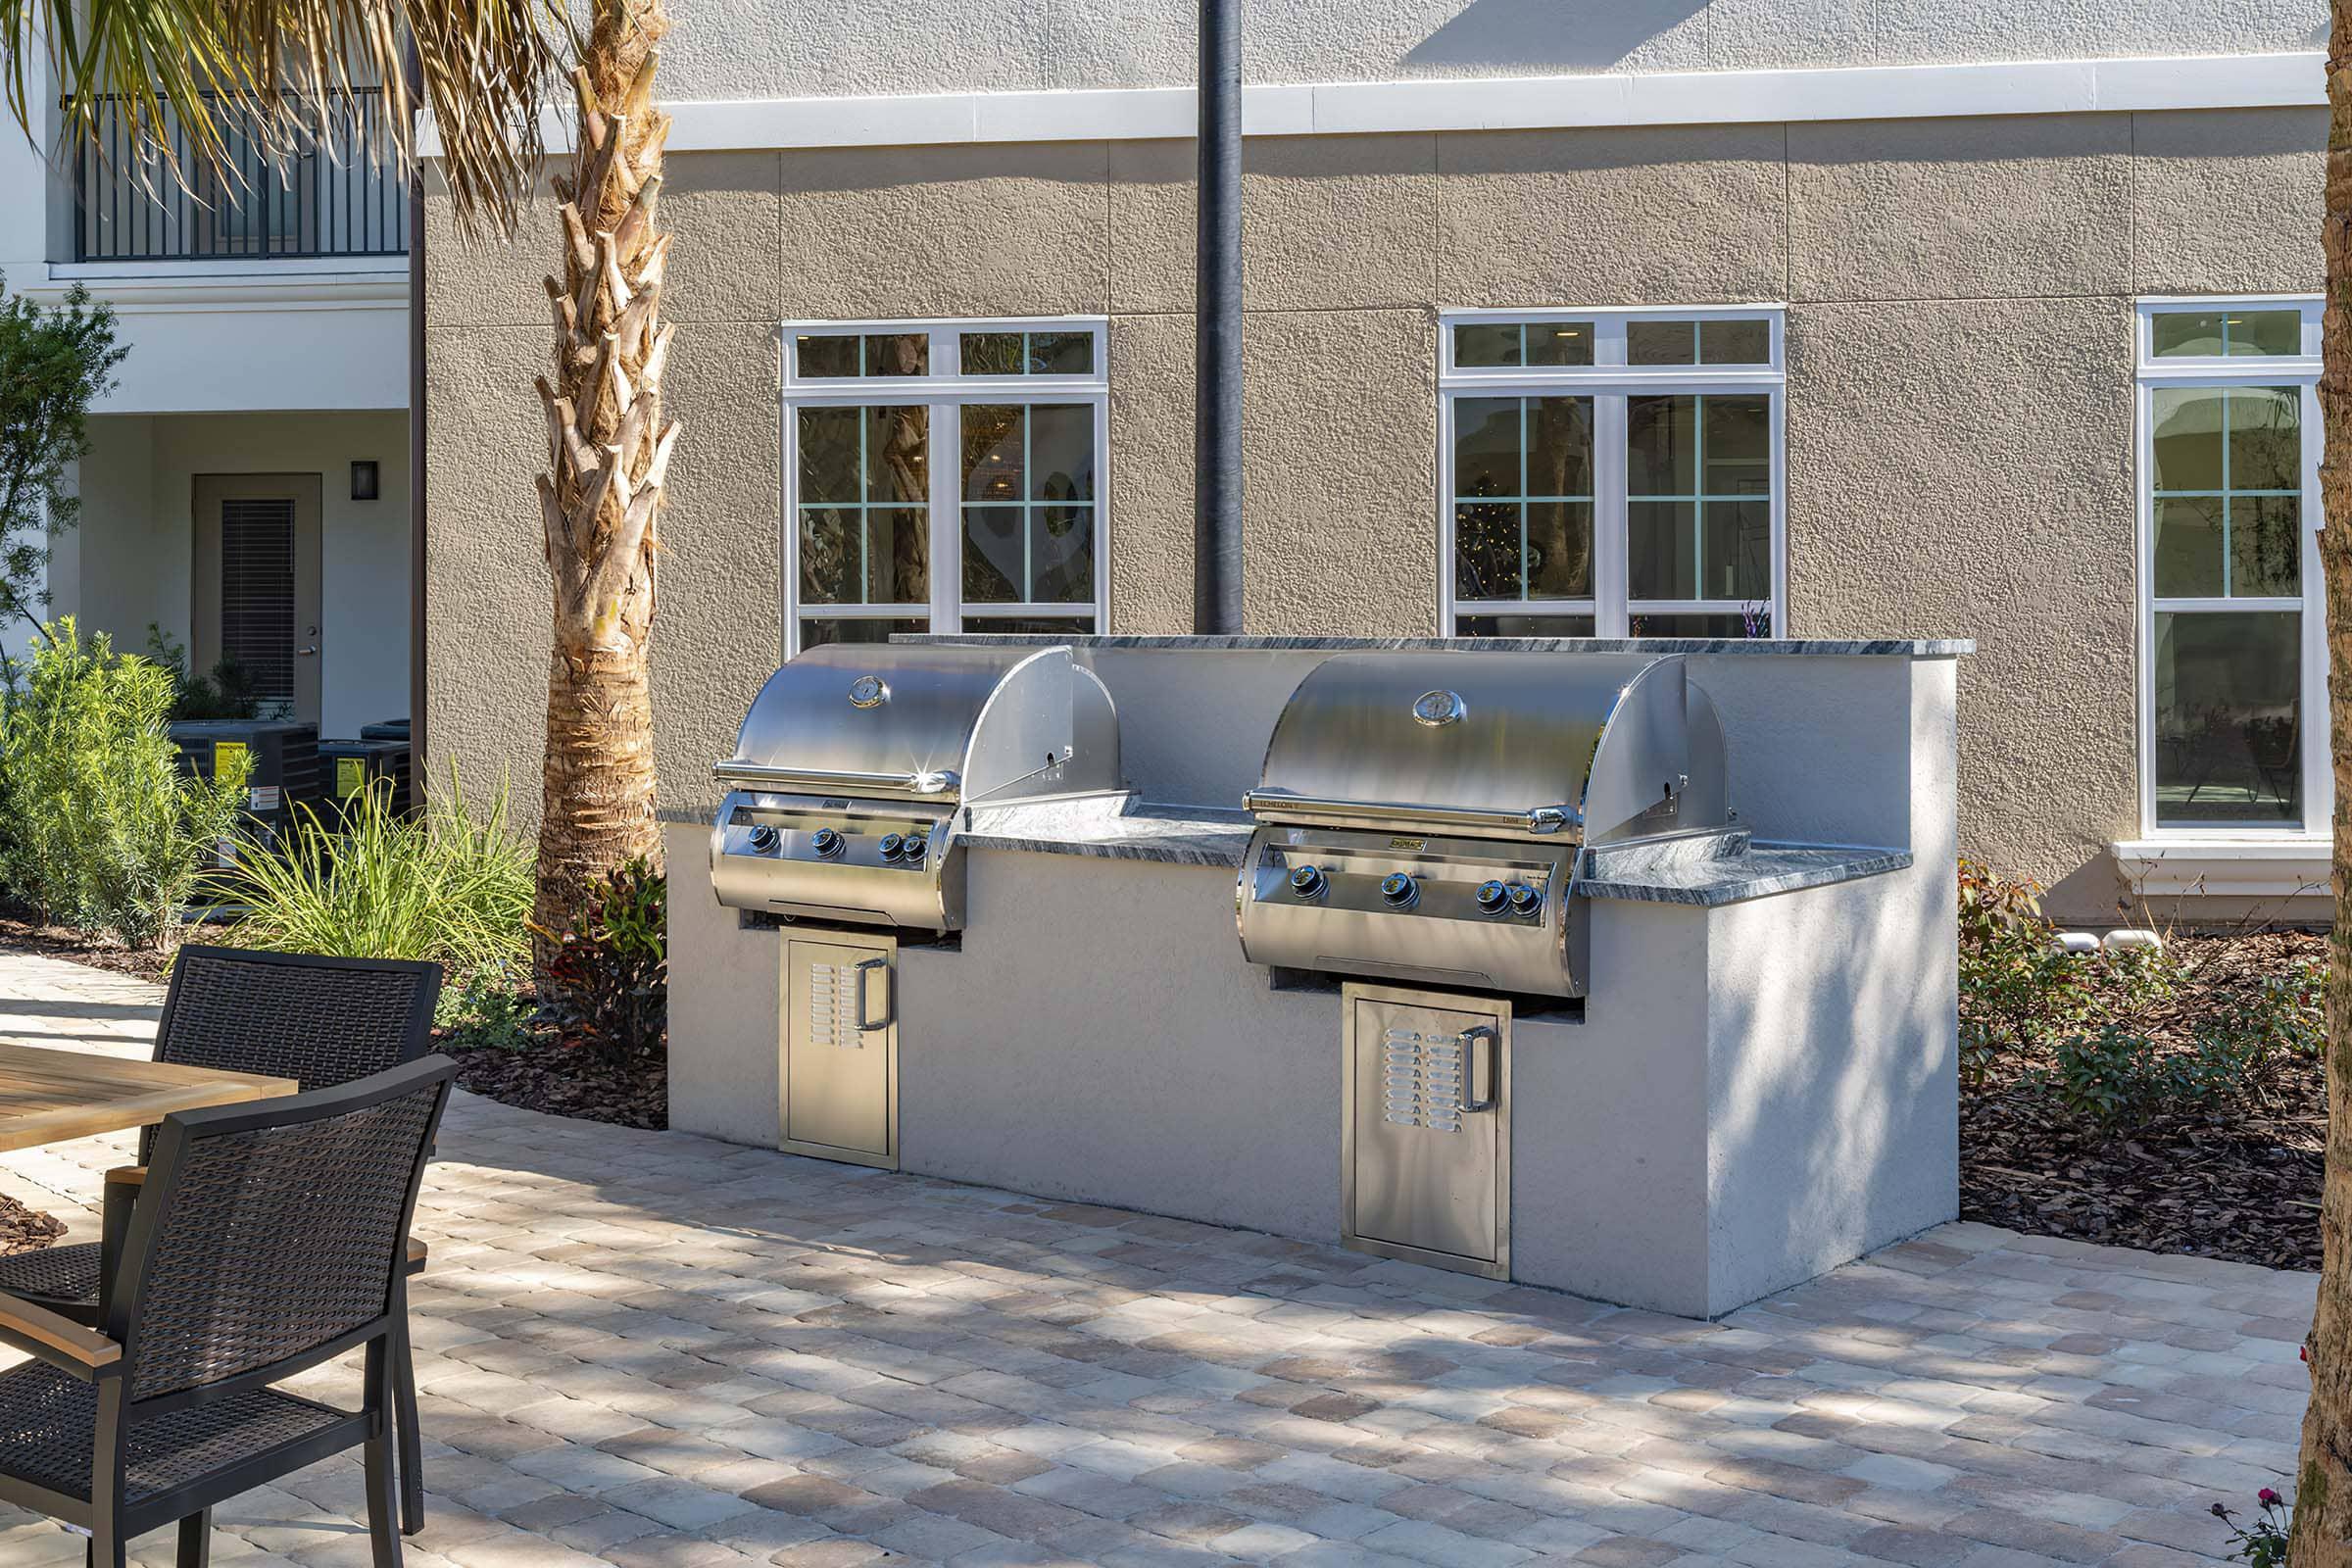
739,774
1535,819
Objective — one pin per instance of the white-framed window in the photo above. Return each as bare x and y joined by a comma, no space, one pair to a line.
2233,662
944,476
1611,473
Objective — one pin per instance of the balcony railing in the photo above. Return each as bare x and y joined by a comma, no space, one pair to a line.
332,196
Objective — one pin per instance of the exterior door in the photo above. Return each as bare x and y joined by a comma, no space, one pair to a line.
1427,1134
257,583
841,1051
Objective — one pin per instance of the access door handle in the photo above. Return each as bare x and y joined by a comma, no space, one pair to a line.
1470,1039
865,967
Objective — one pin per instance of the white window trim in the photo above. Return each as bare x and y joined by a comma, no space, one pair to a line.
943,394
2183,857
1608,381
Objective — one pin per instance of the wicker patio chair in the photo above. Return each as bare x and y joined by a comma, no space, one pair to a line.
267,1239
318,1021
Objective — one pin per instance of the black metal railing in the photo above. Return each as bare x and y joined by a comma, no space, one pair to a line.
337,193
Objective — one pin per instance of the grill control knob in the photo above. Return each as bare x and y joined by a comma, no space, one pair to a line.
893,846
1307,881
1525,900
766,838
1399,889
1492,895
915,850
825,841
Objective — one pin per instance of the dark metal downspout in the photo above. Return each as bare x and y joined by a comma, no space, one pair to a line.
1217,409
419,771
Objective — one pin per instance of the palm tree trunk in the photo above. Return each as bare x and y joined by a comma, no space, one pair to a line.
2323,1527
609,451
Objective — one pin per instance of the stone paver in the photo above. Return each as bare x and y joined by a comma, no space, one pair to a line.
652,1350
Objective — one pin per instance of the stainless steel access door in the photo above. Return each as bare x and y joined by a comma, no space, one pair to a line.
1425,1140
841,1050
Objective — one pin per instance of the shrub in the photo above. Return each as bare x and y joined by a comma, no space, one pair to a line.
107,832
229,692
2017,990
2261,1543
438,886
484,1008
607,986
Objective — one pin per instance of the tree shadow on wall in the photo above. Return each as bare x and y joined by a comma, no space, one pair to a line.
1574,35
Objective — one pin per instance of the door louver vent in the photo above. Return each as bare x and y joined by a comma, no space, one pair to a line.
257,592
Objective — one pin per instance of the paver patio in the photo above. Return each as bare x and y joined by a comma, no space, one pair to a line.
652,1350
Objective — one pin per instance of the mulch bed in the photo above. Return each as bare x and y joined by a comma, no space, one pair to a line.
25,1230
24,930
549,1076
2240,1184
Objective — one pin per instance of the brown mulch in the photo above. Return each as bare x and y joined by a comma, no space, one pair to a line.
2240,1184
564,1081
25,1230
24,930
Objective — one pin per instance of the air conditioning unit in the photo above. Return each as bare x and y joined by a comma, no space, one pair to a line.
281,759
346,768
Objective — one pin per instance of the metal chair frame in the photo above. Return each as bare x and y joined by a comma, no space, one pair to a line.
111,1360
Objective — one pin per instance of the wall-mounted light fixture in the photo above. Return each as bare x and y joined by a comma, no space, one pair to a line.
363,480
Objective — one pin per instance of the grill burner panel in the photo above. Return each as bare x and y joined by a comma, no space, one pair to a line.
1421,816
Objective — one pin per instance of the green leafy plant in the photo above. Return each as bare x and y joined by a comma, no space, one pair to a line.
55,361
606,988
229,692
107,830
444,885
485,1007
2016,989
2261,1543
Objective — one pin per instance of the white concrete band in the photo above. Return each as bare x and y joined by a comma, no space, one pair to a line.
2295,79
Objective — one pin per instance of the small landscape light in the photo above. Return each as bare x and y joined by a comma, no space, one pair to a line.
364,479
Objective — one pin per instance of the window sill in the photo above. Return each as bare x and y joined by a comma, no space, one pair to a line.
2244,867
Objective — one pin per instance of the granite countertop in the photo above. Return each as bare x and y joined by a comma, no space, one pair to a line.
1894,648
1726,869
1114,828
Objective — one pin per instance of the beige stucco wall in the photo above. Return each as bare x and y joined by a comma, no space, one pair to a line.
1959,405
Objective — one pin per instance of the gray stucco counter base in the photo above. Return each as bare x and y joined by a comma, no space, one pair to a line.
1760,1086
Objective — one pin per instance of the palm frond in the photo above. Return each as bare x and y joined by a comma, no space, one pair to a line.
221,72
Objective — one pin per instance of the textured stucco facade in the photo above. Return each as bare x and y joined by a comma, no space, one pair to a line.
736,49
1959,401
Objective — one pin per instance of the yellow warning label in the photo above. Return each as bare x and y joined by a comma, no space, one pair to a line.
226,754
350,775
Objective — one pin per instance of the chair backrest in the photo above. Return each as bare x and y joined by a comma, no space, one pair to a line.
320,1021
266,1232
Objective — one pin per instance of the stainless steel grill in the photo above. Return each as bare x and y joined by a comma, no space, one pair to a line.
857,765
1421,816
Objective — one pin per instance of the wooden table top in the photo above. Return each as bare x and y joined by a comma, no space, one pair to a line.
48,1097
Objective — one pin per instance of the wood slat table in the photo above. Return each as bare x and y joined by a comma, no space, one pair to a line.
48,1097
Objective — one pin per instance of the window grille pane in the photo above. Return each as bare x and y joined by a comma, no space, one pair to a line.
1484,344
898,353
1739,446
1735,342
2266,438
1737,544
815,632
1559,342
2265,332
1486,447
1661,342
1560,550
2189,548
2186,334
1753,621
2266,547
1523,627
1658,560
1662,446
991,353
2189,423
992,556
2228,718
826,355
1061,554
1061,352
1486,551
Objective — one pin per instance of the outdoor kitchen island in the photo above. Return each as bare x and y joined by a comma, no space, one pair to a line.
1752,1078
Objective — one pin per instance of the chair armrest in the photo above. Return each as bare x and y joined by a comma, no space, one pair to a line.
57,1339
127,1176
418,1256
